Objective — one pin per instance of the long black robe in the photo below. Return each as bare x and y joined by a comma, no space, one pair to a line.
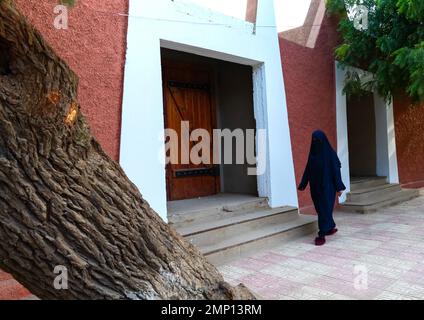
322,172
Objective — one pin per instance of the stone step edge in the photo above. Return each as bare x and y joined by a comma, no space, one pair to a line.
248,206
404,195
302,221
238,219
376,188
367,179
226,207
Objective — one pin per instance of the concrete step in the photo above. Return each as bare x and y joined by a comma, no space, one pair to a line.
366,194
203,235
225,226
213,211
382,201
240,245
358,183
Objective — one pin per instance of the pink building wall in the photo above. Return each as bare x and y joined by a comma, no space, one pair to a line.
94,46
309,77
409,128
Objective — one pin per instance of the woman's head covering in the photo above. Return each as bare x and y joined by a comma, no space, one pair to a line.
317,143
320,144
323,160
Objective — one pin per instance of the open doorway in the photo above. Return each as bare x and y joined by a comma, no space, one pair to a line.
366,142
209,94
361,125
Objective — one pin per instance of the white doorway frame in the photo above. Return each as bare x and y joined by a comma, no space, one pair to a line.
386,165
181,25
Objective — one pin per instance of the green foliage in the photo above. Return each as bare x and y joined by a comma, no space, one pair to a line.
69,3
391,47
412,9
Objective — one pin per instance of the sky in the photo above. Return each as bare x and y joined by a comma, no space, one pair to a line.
289,13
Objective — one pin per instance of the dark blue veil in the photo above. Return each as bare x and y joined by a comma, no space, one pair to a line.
323,167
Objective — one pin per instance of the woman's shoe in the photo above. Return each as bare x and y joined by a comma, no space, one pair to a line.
332,231
319,241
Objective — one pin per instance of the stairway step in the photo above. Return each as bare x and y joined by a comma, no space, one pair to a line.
366,182
220,231
381,198
226,219
241,245
365,194
215,211
372,205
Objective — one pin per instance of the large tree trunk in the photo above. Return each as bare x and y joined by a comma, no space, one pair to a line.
64,202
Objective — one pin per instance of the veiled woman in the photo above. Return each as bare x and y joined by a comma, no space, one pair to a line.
322,172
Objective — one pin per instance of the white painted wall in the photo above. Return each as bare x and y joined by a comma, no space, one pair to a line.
342,133
180,25
233,8
386,141
385,132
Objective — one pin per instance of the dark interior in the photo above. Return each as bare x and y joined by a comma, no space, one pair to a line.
362,135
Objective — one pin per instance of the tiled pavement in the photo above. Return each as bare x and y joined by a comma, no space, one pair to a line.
388,245
373,256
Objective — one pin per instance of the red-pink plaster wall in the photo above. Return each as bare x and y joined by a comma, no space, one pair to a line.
309,79
11,289
94,46
409,128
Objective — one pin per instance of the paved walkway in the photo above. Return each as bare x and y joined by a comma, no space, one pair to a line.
374,256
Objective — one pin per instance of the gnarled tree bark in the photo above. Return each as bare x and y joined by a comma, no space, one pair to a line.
64,202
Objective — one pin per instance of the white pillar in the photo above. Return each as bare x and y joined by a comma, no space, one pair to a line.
342,133
386,141
142,115
282,183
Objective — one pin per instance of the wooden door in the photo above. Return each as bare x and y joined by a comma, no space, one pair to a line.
188,98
